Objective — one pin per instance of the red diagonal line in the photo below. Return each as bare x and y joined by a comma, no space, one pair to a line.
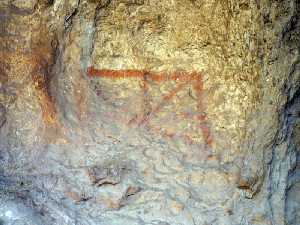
165,99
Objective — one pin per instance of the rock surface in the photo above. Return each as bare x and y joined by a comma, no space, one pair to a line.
174,112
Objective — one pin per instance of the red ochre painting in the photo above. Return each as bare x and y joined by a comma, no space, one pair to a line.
182,79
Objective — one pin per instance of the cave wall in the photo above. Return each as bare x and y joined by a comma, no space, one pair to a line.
149,112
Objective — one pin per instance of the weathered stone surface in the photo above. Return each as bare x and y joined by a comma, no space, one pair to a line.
179,112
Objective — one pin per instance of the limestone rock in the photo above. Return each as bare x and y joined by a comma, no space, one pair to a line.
174,112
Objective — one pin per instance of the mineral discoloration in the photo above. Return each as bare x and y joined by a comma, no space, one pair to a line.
41,82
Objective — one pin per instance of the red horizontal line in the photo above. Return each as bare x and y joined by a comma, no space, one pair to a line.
161,76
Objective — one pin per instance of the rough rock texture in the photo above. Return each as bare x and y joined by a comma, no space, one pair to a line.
174,112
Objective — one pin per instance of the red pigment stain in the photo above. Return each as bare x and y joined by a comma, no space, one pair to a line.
184,78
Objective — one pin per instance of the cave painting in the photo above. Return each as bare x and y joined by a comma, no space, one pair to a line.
182,79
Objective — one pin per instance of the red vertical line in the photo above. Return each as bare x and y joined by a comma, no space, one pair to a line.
146,100
165,99
91,71
202,118
145,105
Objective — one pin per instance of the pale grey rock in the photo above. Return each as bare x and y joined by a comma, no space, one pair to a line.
14,212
